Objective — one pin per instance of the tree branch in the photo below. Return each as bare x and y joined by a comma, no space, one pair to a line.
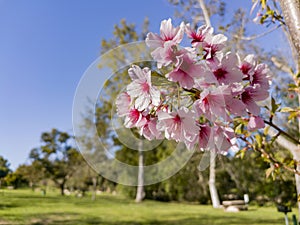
272,158
205,13
258,35
281,65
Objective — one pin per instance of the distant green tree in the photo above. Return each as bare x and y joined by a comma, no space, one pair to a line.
57,156
4,168
33,173
15,180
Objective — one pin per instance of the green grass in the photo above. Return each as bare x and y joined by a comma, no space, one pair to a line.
27,207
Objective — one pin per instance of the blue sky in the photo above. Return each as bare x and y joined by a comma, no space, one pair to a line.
45,47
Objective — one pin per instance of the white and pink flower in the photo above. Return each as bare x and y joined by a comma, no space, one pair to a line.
255,122
179,125
141,88
168,33
202,90
123,103
199,35
225,69
186,71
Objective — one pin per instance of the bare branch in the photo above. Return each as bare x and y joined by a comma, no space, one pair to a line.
281,65
205,12
250,38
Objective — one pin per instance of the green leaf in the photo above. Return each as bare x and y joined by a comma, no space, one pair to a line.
269,171
239,129
263,4
293,115
266,130
287,109
258,139
274,106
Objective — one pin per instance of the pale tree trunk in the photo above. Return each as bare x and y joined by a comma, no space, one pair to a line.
291,14
294,149
140,194
212,167
94,180
212,181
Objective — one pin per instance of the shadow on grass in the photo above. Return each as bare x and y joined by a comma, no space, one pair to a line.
61,219
4,206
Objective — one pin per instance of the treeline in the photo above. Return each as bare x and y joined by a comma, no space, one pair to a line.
56,163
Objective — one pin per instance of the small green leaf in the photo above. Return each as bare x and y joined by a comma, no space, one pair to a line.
293,115
258,139
269,171
239,129
287,109
266,130
263,4
274,106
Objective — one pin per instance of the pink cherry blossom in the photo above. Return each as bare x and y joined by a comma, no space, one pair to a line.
224,138
226,70
199,35
167,54
255,122
247,67
141,88
211,104
178,125
134,118
149,130
251,95
213,44
167,33
186,71
205,136
261,76
123,103
234,104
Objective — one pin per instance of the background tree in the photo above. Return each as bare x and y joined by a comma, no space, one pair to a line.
4,168
33,173
57,157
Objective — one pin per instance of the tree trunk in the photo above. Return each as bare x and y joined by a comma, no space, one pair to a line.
140,188
62,188
291,14
94,180
212,181
31,185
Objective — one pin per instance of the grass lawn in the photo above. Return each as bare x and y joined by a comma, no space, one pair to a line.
27,207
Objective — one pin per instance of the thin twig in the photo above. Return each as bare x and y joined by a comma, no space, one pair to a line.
283,67
205,13
250,38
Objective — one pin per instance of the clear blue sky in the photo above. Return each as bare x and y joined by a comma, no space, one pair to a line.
45,47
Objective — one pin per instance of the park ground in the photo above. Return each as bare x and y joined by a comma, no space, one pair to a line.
27,207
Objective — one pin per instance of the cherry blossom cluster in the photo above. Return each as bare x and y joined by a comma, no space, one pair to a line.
196,91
